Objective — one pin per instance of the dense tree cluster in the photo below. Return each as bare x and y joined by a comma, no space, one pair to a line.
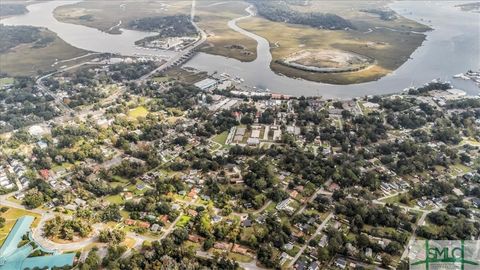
12,36
35,107
166,26
8,9
66,229
279,11
450,228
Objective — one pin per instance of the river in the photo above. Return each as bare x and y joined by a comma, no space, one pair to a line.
86,38
452,47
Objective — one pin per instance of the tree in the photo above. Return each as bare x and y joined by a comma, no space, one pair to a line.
33,199
111,213
323,254
92,262
386,260
114,236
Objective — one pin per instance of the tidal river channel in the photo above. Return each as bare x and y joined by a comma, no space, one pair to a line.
452,47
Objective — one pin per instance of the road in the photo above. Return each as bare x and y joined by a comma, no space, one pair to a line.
317,232
420,222
314,195
37,233
182,55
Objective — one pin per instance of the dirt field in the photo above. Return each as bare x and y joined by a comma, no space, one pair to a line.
327,59
213,18
106,15
25,60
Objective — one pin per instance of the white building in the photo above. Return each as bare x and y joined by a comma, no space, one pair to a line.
207,84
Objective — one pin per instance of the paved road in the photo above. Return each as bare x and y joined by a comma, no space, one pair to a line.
317,232
185,52
420,222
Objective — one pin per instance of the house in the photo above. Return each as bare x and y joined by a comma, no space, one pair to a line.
163,219
192,194
216,219
247,223
341,263
301,264
71,207
195,238
155,227
253,141
314,266
240,249
333,186
476,202
323,241
284,257
294,194
80,202
129,222
192,212
368,252
128,195
288,246
222,246
283,204
143,224
45,173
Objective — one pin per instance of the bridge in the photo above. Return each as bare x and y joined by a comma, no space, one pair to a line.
185,54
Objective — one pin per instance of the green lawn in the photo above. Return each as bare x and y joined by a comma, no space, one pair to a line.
183,221
6,80
11,216
139,111
221,138
161,79
116,199
239,257
293,251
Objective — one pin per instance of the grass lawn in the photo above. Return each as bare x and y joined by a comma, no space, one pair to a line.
462,168
221,138
396,199
239,257
6,80
139,111
129,242
293,251
116,199
124,214
11,216
120,179
183,221
188,244
465,140
65,166
161,79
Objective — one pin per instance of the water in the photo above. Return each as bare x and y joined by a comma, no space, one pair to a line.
451,48
90,39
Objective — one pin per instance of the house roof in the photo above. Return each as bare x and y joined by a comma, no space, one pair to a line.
13,257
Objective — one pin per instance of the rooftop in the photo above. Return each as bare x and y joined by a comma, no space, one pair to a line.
14,257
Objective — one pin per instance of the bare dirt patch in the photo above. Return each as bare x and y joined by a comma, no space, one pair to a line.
327,60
